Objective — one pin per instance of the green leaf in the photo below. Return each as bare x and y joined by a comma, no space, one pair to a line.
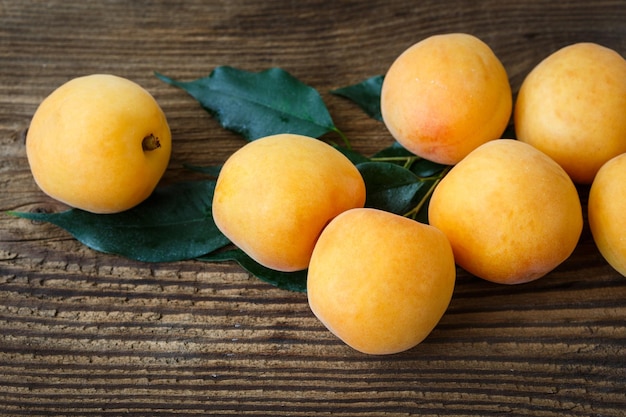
211,171
390,187
354,156
292,281
258,104
392,151
365,94
424,168
398,154
174,223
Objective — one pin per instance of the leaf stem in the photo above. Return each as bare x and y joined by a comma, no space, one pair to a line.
393,158
408,160
437,179
345,139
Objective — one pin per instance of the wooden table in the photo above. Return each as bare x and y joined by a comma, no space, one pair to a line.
84,333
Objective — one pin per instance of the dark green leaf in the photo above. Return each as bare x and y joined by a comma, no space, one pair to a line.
365,94
353,156
174,223
211,171
422,214
258,104
394,150
398,154
390,187
424,168
292,281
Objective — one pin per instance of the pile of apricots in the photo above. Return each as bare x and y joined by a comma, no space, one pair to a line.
508,211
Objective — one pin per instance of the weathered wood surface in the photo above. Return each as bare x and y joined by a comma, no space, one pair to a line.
83,333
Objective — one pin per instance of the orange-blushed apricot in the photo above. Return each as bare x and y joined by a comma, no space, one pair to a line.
606,208
511,213
571,106
379,281
274,196
446,95
100,143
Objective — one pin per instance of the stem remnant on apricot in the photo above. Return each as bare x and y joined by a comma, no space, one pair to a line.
150,143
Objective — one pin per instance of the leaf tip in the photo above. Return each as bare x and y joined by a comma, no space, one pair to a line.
16,213
164,78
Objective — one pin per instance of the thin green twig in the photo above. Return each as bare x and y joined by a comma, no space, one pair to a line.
344,138
437,179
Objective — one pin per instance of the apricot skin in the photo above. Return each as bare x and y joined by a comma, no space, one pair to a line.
511,213
606,209
274,196
380,282
84,144
445,96
571,106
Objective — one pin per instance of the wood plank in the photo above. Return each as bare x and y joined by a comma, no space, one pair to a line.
85,333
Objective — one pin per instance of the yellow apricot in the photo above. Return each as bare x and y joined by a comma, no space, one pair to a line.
445,96
571,106
379,281
274,196
606,208
511,213
100,143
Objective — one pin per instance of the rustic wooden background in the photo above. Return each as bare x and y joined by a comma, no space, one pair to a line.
83,333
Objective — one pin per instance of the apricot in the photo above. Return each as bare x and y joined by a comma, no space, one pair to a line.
445,96
511,213
379,281
571,106
606,207
100,143
274,196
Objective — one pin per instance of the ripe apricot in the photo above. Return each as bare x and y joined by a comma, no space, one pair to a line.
606,208
511,213
445,96
274,196
100,143
571,106
379,281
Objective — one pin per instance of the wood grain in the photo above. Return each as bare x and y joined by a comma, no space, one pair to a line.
85,333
